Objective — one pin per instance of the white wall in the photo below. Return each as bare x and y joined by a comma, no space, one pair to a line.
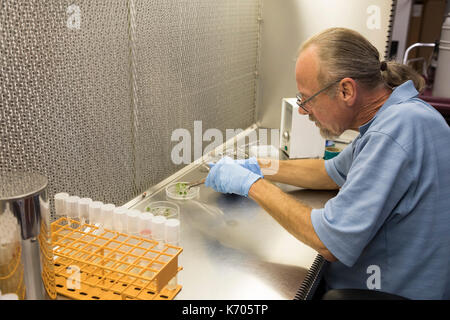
287,23
401,26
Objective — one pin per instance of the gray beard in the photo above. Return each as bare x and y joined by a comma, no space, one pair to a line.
324,132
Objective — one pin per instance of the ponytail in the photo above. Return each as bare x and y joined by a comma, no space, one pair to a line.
395,74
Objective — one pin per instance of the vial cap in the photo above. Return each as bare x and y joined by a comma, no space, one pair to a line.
120,210
145,216
108,208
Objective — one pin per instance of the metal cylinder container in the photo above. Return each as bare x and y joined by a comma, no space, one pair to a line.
26,267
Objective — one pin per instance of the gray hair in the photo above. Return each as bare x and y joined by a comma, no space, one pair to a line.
346,53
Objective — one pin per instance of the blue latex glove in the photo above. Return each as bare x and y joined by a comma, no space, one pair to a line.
250,164
226,176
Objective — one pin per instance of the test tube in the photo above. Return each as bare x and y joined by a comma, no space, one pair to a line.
133,222
107,212
172,236
83,209
60,204
158,230
145,225
72,210
172,231
119,219
95,212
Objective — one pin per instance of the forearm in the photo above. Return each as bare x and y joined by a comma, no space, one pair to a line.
291,214
304,173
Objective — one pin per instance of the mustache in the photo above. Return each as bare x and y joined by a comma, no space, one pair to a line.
312,118
324,132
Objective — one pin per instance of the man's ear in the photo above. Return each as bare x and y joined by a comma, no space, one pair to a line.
347,90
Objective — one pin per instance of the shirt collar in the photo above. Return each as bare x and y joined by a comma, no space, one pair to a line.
402,93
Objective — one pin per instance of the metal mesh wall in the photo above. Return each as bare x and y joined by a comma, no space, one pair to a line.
93,108
196,62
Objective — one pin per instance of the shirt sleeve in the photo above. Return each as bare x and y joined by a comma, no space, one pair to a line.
338,167
376,182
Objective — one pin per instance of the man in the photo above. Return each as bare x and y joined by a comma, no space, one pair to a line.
391,213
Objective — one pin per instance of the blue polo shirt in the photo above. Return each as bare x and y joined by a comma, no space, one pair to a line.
389,225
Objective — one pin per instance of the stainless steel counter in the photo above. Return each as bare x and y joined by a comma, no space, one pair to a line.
232,248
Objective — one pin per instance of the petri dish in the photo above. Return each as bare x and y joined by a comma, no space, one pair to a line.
264,151
243,150
166,209
216,155
177,191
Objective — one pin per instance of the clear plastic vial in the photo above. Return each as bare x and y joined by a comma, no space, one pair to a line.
145,225
60,204
107,212
83,210
119,219
133,222
172,236
158,230
72,211
95,212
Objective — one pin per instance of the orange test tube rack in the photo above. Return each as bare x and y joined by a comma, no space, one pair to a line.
93,263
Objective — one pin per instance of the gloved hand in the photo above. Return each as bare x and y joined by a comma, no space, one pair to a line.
250,164
226,176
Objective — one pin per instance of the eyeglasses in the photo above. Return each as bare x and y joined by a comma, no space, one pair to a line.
302,103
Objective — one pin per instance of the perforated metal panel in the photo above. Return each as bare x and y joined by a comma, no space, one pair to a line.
196,62
91,103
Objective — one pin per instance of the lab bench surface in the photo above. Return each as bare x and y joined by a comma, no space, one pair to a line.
233,249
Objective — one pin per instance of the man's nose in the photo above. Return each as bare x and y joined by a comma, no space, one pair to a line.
301,111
